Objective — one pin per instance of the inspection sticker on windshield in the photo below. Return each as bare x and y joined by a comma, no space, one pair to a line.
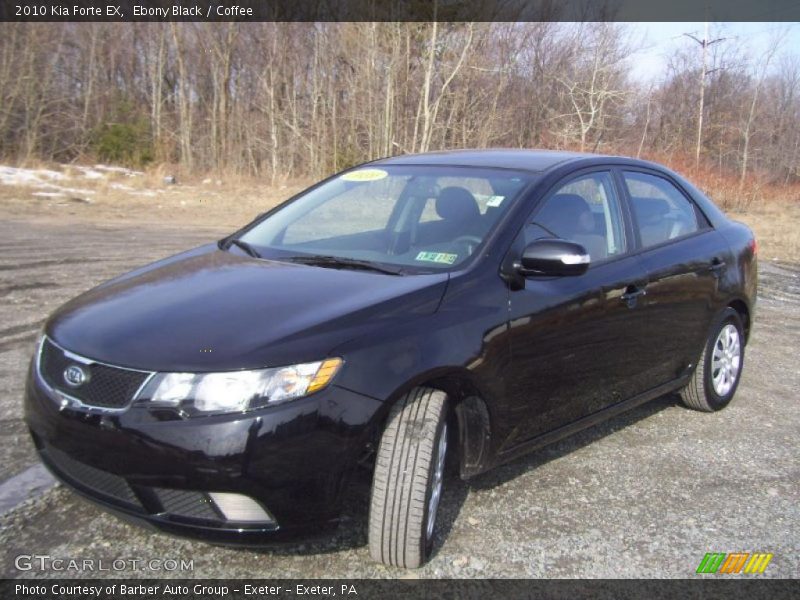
364,175
438,257
495,201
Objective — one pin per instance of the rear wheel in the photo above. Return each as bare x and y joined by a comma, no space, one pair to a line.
719,369
408,479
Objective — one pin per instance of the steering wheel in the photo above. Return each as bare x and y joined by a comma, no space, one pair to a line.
470,241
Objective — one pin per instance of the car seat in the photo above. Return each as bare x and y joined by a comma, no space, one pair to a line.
651,214
564,215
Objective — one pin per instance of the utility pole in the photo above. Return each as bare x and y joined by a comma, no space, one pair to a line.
704,44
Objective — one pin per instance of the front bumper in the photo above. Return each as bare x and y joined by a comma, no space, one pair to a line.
293,459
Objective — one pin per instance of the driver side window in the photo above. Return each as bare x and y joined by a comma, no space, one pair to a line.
585,210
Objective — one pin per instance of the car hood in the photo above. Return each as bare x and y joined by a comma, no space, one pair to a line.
212,310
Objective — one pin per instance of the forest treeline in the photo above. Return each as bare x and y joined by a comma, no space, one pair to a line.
287,100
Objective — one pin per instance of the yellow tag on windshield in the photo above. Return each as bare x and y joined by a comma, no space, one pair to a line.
365,175
438,257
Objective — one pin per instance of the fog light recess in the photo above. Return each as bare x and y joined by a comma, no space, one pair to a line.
237,507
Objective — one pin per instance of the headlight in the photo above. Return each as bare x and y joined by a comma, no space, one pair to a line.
236,391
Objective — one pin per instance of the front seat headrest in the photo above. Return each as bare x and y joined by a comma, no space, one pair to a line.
562,214
457,204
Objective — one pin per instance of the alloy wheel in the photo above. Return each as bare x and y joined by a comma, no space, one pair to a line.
438,480
726,360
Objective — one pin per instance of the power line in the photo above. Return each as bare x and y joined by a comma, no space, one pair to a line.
704,44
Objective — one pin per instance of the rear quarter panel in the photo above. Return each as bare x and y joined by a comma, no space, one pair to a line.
743,283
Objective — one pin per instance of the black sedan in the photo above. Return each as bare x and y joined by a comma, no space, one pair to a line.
447,308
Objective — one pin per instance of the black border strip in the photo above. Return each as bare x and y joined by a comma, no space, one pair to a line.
399,10
705,587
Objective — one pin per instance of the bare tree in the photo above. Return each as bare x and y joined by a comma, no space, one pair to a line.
286,100
764,63
429,105
184,97
595,81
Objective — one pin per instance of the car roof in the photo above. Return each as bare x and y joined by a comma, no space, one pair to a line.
526,160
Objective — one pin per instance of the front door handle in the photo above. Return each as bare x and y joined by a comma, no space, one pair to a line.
631,295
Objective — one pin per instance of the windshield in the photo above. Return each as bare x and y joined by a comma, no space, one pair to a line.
412,216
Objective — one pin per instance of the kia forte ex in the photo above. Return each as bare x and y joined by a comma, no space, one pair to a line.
455,308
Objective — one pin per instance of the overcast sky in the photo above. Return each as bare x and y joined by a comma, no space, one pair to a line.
659,40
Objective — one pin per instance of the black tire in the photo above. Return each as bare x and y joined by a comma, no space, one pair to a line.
403,481
700,393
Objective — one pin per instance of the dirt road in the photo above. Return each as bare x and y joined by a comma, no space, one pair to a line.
644,495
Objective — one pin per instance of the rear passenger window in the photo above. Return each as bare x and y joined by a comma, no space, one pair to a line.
662,212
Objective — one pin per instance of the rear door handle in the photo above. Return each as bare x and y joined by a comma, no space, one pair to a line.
716,265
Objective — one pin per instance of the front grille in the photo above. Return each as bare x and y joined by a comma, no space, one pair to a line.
99,481
107,386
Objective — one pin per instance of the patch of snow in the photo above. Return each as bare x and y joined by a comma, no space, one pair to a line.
19,176
123,170
90,173
55,184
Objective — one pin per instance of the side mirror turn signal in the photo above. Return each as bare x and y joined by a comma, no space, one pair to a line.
553,258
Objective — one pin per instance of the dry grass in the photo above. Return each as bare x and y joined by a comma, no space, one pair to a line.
777,229
224,203
771,210
227,202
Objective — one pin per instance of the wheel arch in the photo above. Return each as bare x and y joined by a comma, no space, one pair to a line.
468,410
741,307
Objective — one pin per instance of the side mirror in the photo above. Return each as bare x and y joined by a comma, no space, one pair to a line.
553,258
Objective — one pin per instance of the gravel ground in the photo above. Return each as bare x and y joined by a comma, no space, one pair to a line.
644,495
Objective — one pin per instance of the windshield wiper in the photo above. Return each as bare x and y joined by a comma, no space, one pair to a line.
338,262
244,246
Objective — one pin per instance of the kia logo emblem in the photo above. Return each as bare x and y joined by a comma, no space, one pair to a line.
75,376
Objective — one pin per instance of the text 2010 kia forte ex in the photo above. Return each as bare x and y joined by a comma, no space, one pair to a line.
449,308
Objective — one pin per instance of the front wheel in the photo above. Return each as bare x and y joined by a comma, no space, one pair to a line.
408,480
719,369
